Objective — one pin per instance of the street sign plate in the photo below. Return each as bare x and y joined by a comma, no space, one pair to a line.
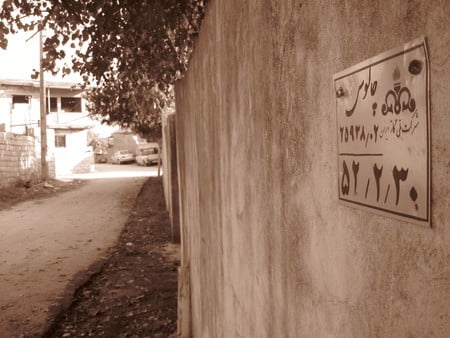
383,134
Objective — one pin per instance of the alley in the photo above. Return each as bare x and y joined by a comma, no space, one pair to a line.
44,243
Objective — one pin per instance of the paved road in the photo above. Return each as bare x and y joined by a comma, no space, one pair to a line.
44,243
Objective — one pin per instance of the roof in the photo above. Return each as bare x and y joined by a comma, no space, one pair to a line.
148,145
48,84
72,126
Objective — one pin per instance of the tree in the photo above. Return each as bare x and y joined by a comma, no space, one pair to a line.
129,52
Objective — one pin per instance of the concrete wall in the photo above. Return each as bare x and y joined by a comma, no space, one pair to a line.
270,250
76,157
170,174
19,159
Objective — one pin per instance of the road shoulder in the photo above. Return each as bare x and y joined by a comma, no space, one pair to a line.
134,290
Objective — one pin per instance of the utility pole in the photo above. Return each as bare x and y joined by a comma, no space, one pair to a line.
44,165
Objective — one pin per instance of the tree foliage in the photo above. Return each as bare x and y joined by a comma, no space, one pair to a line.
129,52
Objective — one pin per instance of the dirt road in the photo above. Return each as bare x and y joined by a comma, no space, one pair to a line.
44,243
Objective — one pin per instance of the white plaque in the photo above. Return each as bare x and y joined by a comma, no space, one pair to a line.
383,134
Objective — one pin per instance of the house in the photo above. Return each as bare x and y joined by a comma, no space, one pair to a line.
19,104
68,122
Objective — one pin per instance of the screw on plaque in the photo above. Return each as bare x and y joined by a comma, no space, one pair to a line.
415,67
340,92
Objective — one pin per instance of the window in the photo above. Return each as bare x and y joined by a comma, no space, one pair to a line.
53,105
71,104
20,99
60,141
149,151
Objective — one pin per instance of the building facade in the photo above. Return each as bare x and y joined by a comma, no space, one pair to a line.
20,107
67,120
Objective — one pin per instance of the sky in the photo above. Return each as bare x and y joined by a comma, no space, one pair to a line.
21,57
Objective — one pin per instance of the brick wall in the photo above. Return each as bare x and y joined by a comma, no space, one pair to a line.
18,158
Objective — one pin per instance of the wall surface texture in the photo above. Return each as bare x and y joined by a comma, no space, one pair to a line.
170,175
271,252
19,160
76,157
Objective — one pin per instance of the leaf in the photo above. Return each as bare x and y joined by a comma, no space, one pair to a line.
35,74
119,46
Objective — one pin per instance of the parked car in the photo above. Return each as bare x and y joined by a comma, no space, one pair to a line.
148,154
100,158
122,156
100,154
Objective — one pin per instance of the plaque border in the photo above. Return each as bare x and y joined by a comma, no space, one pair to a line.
390,54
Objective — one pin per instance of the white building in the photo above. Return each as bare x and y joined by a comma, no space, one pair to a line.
20,109
68,121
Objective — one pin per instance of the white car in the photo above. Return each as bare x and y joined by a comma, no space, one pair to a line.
148,154
122,156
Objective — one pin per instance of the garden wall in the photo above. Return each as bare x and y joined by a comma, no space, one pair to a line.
18,159
271,252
